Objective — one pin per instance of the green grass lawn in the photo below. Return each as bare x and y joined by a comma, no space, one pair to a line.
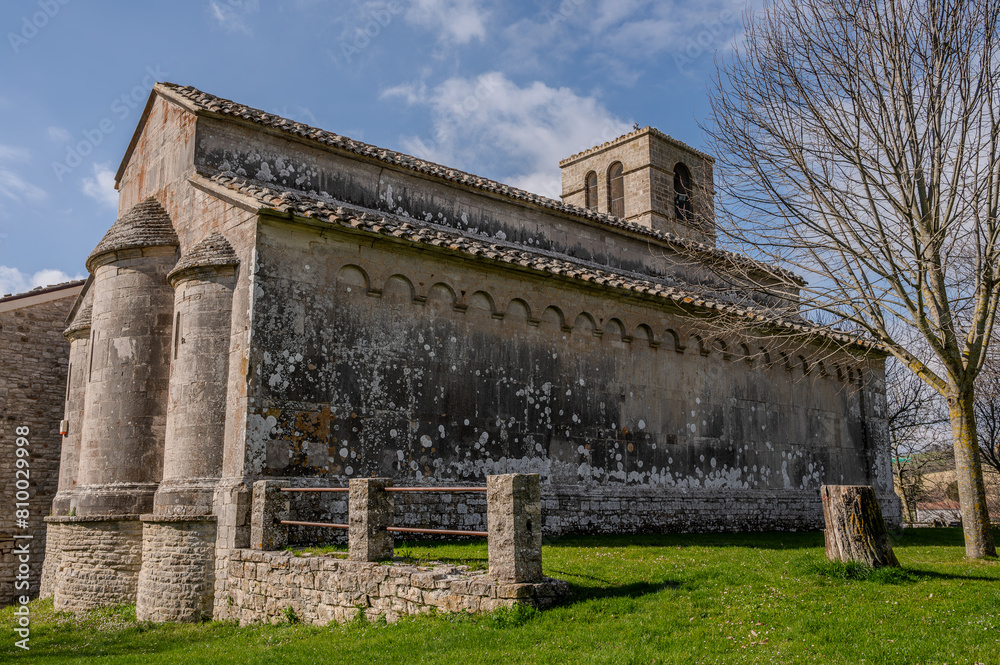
736,598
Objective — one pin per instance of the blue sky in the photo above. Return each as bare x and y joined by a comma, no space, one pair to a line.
501,89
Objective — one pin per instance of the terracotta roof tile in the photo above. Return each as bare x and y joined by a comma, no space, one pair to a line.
417,232
39,290
226,107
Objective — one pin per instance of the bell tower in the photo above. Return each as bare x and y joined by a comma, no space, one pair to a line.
647,178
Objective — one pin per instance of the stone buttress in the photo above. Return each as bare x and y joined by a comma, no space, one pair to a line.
120,458
78,334
178,550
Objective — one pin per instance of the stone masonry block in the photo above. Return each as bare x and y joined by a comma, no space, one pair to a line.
270,506
370,513
514,506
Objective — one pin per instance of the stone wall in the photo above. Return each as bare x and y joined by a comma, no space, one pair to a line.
99,561
33,359
178,569
367,360
324,589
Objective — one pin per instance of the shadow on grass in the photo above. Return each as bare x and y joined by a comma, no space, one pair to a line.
853,571
581,592
769,540
762,540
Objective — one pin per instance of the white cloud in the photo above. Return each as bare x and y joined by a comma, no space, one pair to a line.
16,188
492,126
231,15
458,21
14,281
9,153
12,185
101,187
60,134
616,38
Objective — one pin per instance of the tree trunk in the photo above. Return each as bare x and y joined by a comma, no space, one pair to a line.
855,529
969,474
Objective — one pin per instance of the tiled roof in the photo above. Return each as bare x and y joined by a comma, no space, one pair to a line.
226,107
418,232
625,137
39,290
212,250
145,225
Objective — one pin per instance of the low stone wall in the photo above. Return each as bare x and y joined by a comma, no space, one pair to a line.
178,572
99,561
324,589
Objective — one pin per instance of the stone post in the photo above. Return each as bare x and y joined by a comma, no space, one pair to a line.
270,506
370,512
514,515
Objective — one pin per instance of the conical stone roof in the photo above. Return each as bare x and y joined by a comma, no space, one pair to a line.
147,224
212,250
83,316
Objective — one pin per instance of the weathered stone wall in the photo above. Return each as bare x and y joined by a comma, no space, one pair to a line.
324,589
196,414
33,360
177,580
78,334
99,561
574,509
277,161
124,420
370,360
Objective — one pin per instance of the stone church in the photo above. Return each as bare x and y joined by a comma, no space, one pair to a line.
278,301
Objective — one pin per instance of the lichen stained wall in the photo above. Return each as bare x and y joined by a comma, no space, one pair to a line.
368,358
227,147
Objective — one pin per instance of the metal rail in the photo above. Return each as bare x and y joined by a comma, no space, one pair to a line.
440,532
398,529
435,489
387,489
327,524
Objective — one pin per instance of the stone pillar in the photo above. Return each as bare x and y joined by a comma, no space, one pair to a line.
121,453
370,512
78,334
514,516
203,283
98,563
176,581
270,507
233,506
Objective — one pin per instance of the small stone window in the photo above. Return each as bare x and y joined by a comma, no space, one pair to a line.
177,334
616,190
592,190
682,193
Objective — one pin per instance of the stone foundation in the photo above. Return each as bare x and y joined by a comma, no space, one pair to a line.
177,579
324,589
99,562
671,510
53,557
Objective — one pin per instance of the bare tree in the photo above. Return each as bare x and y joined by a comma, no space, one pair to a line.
988,413
859,146
915,415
